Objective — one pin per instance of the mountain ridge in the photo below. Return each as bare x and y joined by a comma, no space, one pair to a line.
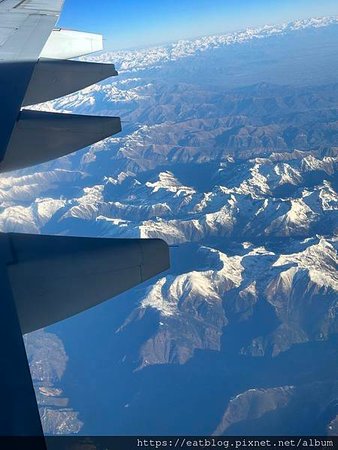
230,155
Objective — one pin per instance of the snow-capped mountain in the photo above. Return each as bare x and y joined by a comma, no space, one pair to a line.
298,285
245,202
229,153
136,60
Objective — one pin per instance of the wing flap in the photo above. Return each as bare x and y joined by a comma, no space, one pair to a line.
55,277
66,44
55,78
42,136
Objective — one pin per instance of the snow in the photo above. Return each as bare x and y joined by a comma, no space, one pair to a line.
209,285
320,260
156,300
167,181
136,60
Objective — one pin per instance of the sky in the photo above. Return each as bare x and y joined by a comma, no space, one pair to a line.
142,23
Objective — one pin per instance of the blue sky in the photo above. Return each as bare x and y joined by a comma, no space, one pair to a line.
137,23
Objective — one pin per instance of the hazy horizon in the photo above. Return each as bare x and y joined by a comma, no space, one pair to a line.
129,24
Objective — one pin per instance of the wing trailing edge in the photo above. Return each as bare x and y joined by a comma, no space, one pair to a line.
55,78
42,136
55,277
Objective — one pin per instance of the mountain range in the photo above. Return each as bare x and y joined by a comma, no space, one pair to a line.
229,153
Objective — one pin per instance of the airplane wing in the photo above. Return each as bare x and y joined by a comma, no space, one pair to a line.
44,279
33,70
67,275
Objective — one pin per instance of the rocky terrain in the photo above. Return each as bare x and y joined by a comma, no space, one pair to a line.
48,361
229,153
